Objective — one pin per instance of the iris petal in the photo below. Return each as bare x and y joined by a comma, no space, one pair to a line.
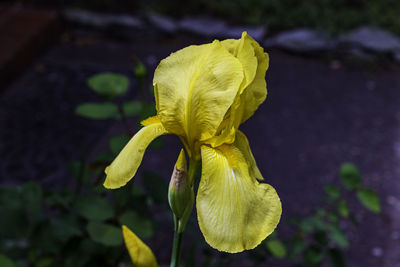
256,91
235,211
125,165
244,50
243,145
194,88
140,253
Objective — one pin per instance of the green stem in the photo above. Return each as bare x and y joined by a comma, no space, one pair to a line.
193,165
176,250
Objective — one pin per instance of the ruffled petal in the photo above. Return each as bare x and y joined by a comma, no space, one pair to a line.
256,91
243,145
125,165
235,211
140,253
194,88
243,49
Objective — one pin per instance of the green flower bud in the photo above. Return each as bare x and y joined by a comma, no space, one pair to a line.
180,193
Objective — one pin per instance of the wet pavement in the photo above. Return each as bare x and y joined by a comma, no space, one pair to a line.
317,115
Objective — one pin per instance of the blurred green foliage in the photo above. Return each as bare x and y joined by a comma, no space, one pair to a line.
80,225
319,238
332,15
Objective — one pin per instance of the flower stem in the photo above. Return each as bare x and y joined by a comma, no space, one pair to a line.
176,250
193,165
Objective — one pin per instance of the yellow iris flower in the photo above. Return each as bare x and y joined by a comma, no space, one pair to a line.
203,93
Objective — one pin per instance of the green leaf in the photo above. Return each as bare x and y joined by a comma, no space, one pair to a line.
332,191
13,223
118,142
321,212
5,261
20,264
350,176
32,194
88,246
321,238
336,257
132,108
276,248
136,191
156,186
109,84
11,199
42,235
141,226
333,217
79,170
98,111
123,197
82,252
94,208
313,255
59,199
105,234
44,262
369,199
338,237
298,245
343,209
312,223
65,227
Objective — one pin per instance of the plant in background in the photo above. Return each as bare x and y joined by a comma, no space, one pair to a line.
319,238
79,224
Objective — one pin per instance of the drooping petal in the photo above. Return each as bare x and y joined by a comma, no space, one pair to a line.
125,165
235,211
243,145
194,88
140,253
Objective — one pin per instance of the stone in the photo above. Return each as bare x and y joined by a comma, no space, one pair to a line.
396,56
211,27
203,26
371,38
163,23
101,20
300,40
377,251
257,33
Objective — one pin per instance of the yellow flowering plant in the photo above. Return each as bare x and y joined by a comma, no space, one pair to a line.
203,94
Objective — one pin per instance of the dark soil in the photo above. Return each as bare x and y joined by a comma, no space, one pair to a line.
317,115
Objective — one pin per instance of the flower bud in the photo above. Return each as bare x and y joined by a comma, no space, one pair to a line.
180,193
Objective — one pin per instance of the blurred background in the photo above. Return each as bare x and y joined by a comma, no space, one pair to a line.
76,79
